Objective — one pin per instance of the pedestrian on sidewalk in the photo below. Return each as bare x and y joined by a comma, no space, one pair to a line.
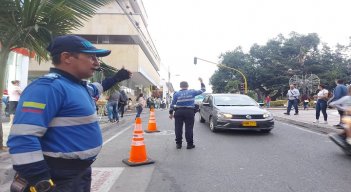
183,106
122,102
305,101
55,136
293,99
140,105
321,105
129,104
14,92
344,104
267,100
112,106
339,92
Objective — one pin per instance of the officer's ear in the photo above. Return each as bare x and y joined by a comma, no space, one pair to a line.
66,57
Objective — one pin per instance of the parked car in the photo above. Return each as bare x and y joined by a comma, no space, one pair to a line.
235,111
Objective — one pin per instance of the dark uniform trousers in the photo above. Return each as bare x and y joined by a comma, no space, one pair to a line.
71,180
184,116
70,175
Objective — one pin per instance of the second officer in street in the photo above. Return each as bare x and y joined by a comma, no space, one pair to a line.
183,108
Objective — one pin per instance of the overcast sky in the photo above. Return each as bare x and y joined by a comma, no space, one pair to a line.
183,29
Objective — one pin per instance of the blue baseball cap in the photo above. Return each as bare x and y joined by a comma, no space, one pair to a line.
76,44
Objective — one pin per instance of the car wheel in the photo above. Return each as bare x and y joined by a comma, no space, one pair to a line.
212,126
266,130
202,120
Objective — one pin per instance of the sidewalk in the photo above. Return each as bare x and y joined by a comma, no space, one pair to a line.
306,118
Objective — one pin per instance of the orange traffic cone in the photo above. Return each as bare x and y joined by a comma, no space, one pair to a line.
152,127
138,149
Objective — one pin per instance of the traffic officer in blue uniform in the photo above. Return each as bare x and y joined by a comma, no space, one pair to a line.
184,110
55,136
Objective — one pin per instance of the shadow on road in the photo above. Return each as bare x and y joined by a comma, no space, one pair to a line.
244,133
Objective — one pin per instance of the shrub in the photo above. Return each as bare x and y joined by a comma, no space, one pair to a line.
278,103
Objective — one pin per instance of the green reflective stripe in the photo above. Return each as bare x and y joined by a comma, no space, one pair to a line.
76,154
71,121
26,158
34,105
25,129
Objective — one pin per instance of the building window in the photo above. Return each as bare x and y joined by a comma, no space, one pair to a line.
109,39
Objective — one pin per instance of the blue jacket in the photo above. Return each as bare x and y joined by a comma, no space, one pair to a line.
185,98
339,91
55,117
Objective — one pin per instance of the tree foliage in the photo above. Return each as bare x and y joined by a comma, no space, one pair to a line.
269,67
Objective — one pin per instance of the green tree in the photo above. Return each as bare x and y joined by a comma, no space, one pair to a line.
266,67
236,59
232,86
32,24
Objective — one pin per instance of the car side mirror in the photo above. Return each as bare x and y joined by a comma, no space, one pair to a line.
206,104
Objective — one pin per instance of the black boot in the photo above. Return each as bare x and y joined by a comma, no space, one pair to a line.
179,146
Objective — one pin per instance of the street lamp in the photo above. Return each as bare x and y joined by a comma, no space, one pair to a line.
224,66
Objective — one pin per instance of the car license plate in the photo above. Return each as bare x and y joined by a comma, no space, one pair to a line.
249,123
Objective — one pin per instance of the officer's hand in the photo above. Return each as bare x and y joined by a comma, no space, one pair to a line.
200,79
171,116
122,75
129,72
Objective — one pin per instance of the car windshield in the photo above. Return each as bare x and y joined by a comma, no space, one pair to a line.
199,97
234,100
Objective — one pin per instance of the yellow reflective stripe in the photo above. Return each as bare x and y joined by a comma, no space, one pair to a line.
34,104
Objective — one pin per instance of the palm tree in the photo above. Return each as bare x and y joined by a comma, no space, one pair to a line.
31,24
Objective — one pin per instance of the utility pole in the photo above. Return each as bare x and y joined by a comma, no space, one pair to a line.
224,66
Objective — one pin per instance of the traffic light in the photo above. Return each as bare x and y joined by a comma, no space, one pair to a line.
195,60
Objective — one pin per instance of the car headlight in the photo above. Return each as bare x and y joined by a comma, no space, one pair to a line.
267,115
225,115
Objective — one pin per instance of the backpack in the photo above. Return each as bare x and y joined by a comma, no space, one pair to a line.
123,98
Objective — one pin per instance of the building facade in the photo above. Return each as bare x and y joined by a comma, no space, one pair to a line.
122,28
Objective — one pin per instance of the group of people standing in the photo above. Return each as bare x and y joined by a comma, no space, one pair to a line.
157,102
11,101
324,98
116,103
14,93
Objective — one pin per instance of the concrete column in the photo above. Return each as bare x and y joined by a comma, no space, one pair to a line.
23,72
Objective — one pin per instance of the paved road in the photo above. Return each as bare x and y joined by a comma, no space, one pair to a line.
289,159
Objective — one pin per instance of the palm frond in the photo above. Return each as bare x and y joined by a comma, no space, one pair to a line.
32,24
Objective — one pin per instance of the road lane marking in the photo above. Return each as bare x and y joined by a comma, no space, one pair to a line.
116,135
103,178
303,129
166,132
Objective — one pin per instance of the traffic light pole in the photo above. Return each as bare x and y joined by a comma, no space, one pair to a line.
224,66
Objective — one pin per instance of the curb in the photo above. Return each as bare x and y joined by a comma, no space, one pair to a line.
313,127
